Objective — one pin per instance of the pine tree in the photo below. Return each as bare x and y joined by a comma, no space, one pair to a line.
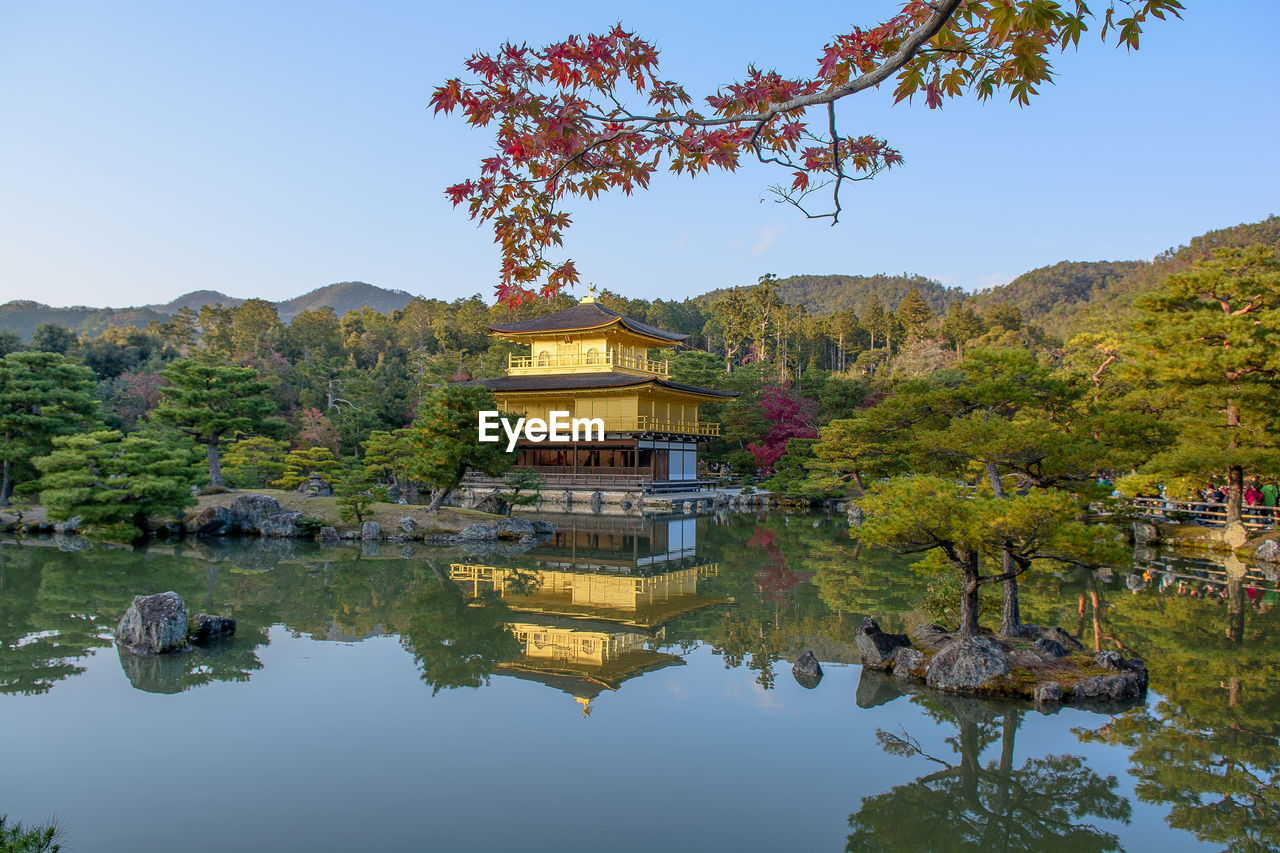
117,485
42,395
213,404
914,315
1210,341
872,318
301,463
254,462
446,442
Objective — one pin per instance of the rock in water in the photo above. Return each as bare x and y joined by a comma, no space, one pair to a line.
249,511
154,624
1107,688
514,528
875,646
807,671
408,525
212,521
904,660
205,628
967,663
370,531
1049,693
543,528
328,534
1268,551
281,525
477,533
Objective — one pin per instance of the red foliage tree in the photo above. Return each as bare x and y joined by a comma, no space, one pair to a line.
316,430
563,127
789,416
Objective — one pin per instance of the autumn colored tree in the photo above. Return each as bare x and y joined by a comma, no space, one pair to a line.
788,416
564,129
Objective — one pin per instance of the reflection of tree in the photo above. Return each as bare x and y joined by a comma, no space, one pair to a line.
57,608
775,611
456,640
969,805
1210,749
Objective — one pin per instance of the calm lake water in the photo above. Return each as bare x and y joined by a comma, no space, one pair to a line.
625,686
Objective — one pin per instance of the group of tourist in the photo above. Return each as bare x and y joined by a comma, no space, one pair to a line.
1261,497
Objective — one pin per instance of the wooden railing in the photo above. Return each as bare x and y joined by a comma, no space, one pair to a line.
1204,512
606,360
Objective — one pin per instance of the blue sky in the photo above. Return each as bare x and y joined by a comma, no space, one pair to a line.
265,149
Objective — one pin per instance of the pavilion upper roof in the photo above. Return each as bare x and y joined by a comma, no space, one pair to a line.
587,315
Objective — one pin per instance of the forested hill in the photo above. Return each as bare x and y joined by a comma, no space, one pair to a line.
1051,296
1072,297
1063,299
24,316
821,295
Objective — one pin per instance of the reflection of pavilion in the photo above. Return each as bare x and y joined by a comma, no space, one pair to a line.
595,600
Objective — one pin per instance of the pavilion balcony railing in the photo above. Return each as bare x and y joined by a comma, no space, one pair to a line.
606,360
648,423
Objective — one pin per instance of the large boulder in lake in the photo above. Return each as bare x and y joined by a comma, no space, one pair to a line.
514,528
212,521
807,671
281,525
248,512
154,624
875,646
968,663
371,531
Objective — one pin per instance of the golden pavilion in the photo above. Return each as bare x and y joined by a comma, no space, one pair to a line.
592,362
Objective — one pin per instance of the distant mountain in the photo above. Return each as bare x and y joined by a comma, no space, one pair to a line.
197,299
826,294
24,316
343,297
